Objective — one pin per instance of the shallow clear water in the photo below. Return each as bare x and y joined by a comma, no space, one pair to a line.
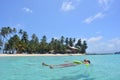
103,67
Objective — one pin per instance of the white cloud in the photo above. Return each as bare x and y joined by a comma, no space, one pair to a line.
27,9
112,45
95,44
105,4
115,42
94,39
67,6
92,18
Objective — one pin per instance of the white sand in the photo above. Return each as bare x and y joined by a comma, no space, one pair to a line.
40,55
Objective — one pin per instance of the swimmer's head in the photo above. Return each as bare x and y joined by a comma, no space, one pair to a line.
86,61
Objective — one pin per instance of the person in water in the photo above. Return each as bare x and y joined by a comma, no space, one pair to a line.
74,63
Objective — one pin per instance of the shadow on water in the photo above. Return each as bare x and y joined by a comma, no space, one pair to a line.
76,77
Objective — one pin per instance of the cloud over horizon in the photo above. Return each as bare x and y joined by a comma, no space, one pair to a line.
111,45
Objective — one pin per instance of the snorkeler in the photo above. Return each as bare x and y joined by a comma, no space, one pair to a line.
74,63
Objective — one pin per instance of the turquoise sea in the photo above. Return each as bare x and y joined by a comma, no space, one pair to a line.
103,67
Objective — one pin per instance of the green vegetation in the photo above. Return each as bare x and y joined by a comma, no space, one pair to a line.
11,41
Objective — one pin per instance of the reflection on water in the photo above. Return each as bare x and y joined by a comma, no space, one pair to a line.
76,77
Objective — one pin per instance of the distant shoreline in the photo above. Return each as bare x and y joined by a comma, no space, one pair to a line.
41,55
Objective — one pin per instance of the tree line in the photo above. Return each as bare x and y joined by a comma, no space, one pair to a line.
13,41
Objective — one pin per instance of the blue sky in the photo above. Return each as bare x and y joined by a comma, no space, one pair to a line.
96,21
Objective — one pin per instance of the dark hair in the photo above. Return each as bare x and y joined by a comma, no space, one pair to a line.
85,59
88,61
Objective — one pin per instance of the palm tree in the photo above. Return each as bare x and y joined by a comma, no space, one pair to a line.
33,44
70,42
78,44
84,47
25,37
20,33
67,41
12,44
14,30
62,39
51,44
4,32
43,44
1,43
24,41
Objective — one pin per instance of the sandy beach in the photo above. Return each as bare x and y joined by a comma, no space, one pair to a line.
40,55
